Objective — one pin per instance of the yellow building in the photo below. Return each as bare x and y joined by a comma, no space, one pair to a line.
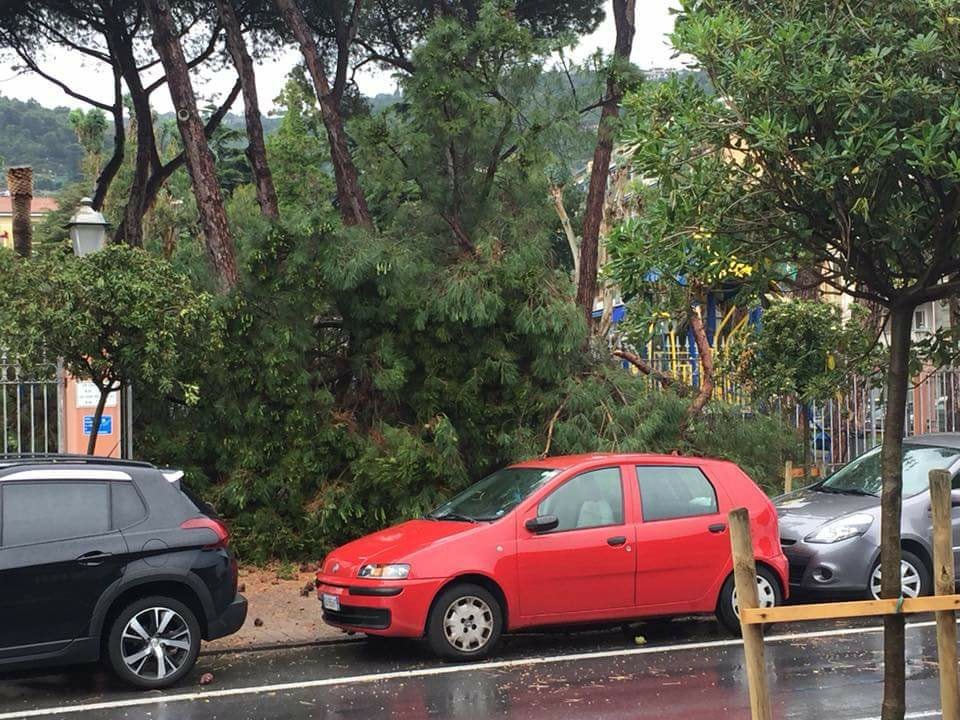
39,207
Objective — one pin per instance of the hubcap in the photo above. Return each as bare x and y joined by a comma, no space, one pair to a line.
155,643
766,595
909,581
468,623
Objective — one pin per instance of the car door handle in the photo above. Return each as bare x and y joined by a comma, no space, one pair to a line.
92,559
717,528
617,541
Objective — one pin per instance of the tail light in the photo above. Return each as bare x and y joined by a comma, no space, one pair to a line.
205,523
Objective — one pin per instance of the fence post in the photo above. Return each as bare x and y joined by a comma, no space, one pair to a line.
788,477
745,577
943,578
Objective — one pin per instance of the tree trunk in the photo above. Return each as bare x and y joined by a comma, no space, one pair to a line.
898,380
256,150
350,197
97,414
130,229
109,171
573,242
200,163
623,13
20,184
706,365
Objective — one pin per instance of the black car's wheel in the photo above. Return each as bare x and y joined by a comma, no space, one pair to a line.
465,623
915,578
154,642
769,594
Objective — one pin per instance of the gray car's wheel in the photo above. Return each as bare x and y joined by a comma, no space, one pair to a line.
465,623
915,580
154,642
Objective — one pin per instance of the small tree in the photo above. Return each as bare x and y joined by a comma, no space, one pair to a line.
118,316
833,141
805,351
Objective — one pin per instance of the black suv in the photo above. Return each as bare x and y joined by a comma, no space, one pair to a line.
110,559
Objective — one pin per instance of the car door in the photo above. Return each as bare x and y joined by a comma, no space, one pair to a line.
683,546
585,564
58,553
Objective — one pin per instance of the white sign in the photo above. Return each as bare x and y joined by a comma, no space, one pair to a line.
88,395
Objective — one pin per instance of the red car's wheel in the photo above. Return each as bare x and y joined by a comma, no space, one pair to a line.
465,623
768,593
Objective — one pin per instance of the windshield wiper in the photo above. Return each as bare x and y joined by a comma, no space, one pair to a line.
454,516
845,491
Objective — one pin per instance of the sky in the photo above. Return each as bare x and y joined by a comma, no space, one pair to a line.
651,48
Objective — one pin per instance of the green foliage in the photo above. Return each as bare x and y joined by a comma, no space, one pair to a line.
804,350
43,138
831,141
297,150
116,316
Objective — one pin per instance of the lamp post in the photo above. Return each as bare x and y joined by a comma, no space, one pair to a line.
88,229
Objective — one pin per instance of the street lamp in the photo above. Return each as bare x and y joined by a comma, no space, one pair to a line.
88,229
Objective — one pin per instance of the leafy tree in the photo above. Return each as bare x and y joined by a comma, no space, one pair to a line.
117,316
90,127
803,350
298,150
833,140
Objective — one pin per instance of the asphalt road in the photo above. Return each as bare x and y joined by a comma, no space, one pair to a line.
684,671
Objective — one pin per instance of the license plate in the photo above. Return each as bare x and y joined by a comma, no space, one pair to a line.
331,602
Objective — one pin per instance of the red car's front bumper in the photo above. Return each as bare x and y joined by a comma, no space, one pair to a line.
395,608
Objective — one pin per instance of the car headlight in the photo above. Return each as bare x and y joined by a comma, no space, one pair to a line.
843,528
396,571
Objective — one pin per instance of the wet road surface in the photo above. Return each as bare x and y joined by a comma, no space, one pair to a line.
683,671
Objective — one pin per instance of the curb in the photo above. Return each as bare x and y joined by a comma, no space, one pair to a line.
265,647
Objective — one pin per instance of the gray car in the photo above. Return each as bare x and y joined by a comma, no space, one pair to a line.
830,531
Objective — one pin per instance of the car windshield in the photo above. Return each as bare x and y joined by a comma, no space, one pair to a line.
494,496
862,476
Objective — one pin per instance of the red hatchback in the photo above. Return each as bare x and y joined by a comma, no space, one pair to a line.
563,540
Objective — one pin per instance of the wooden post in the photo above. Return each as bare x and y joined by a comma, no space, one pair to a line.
788,477
943,578
745,577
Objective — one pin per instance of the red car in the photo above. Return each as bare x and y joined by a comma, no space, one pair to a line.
563,540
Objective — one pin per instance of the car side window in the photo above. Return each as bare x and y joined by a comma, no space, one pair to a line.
675,492
46,511
592,499
127,507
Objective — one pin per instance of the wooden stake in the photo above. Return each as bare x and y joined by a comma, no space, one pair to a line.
944,584
745,577
788,477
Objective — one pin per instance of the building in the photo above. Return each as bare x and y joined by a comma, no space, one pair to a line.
38,208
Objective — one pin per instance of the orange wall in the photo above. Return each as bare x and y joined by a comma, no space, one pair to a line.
76,440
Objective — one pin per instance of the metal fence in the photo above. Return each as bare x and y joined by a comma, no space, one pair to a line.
852,421
31,405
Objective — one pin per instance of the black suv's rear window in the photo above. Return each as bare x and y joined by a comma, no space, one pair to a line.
203,507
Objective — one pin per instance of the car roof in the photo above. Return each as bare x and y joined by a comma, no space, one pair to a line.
564,462
45,459
41,467
950,440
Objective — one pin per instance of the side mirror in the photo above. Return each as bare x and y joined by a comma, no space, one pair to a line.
955,498
542,523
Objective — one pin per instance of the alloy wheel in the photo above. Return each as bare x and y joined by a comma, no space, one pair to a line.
909,581
468,623
766,595
155,643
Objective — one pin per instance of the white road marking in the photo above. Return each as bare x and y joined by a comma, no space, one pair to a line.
912,715
442,670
